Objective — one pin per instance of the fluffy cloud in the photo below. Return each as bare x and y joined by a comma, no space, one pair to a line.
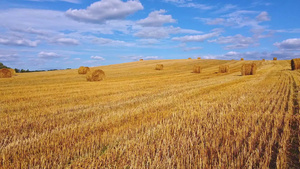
189,4
66,41
226,8
138,57
8,57
48,55
30,31
148,41
156,18
237,19
70,1
289,44
237,41
196,38
104,10
217,21
110,42
263,16
161,32
191,48
97,58
18,42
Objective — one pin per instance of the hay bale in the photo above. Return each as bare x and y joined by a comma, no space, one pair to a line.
197,69
263,60
83,70
274,58
295,63
96,75
159,67
198,57
249,69
141,59
242,59
189,58
224,69
5,73
13,72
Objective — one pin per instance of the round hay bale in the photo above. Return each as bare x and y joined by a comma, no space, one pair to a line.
189,58
263,60
198,57
141,59
249,69
13,72
274,58
242,59
5,73
96,75
224,69
83,70
295,63
197,69
253,68
159,67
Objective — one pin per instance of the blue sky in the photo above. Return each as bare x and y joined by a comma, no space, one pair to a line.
58,34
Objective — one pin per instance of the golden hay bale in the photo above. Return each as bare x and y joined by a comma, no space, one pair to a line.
242,58
224,69
199,58
274,58
295,63
13,72
96,75
83,70
5,73
141,59
159,67
189,58
263,60
197,69
249,69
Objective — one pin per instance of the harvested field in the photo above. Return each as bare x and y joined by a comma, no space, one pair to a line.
141,118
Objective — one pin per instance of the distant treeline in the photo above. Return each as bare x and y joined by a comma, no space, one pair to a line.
23,70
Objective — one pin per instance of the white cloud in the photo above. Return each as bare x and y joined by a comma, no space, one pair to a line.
70,1
150,32
161,32
48,55
237,19
30,31
138,57
97,58
148,41
196,38
263,16
189,4
238,41
110,42
66,41
217,21
226,8
8,57
289,44
18,42
157,18
104,10
191,48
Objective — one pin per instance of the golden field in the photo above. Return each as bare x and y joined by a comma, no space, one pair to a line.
139,117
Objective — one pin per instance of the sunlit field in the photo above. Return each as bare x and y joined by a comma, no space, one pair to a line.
139,117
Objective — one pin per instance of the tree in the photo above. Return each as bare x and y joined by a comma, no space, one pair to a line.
3,66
